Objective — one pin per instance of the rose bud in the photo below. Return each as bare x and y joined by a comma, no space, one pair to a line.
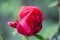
31,20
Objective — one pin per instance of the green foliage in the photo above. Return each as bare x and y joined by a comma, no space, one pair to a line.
39,37
1,36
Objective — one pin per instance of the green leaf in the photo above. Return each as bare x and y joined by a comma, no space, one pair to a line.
52,4
39,37
1,38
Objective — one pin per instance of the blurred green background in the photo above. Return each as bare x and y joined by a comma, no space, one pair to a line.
9,12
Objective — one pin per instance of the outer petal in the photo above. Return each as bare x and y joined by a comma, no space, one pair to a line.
23,28
12,24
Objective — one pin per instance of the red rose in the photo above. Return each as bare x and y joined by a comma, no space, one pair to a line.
31,21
